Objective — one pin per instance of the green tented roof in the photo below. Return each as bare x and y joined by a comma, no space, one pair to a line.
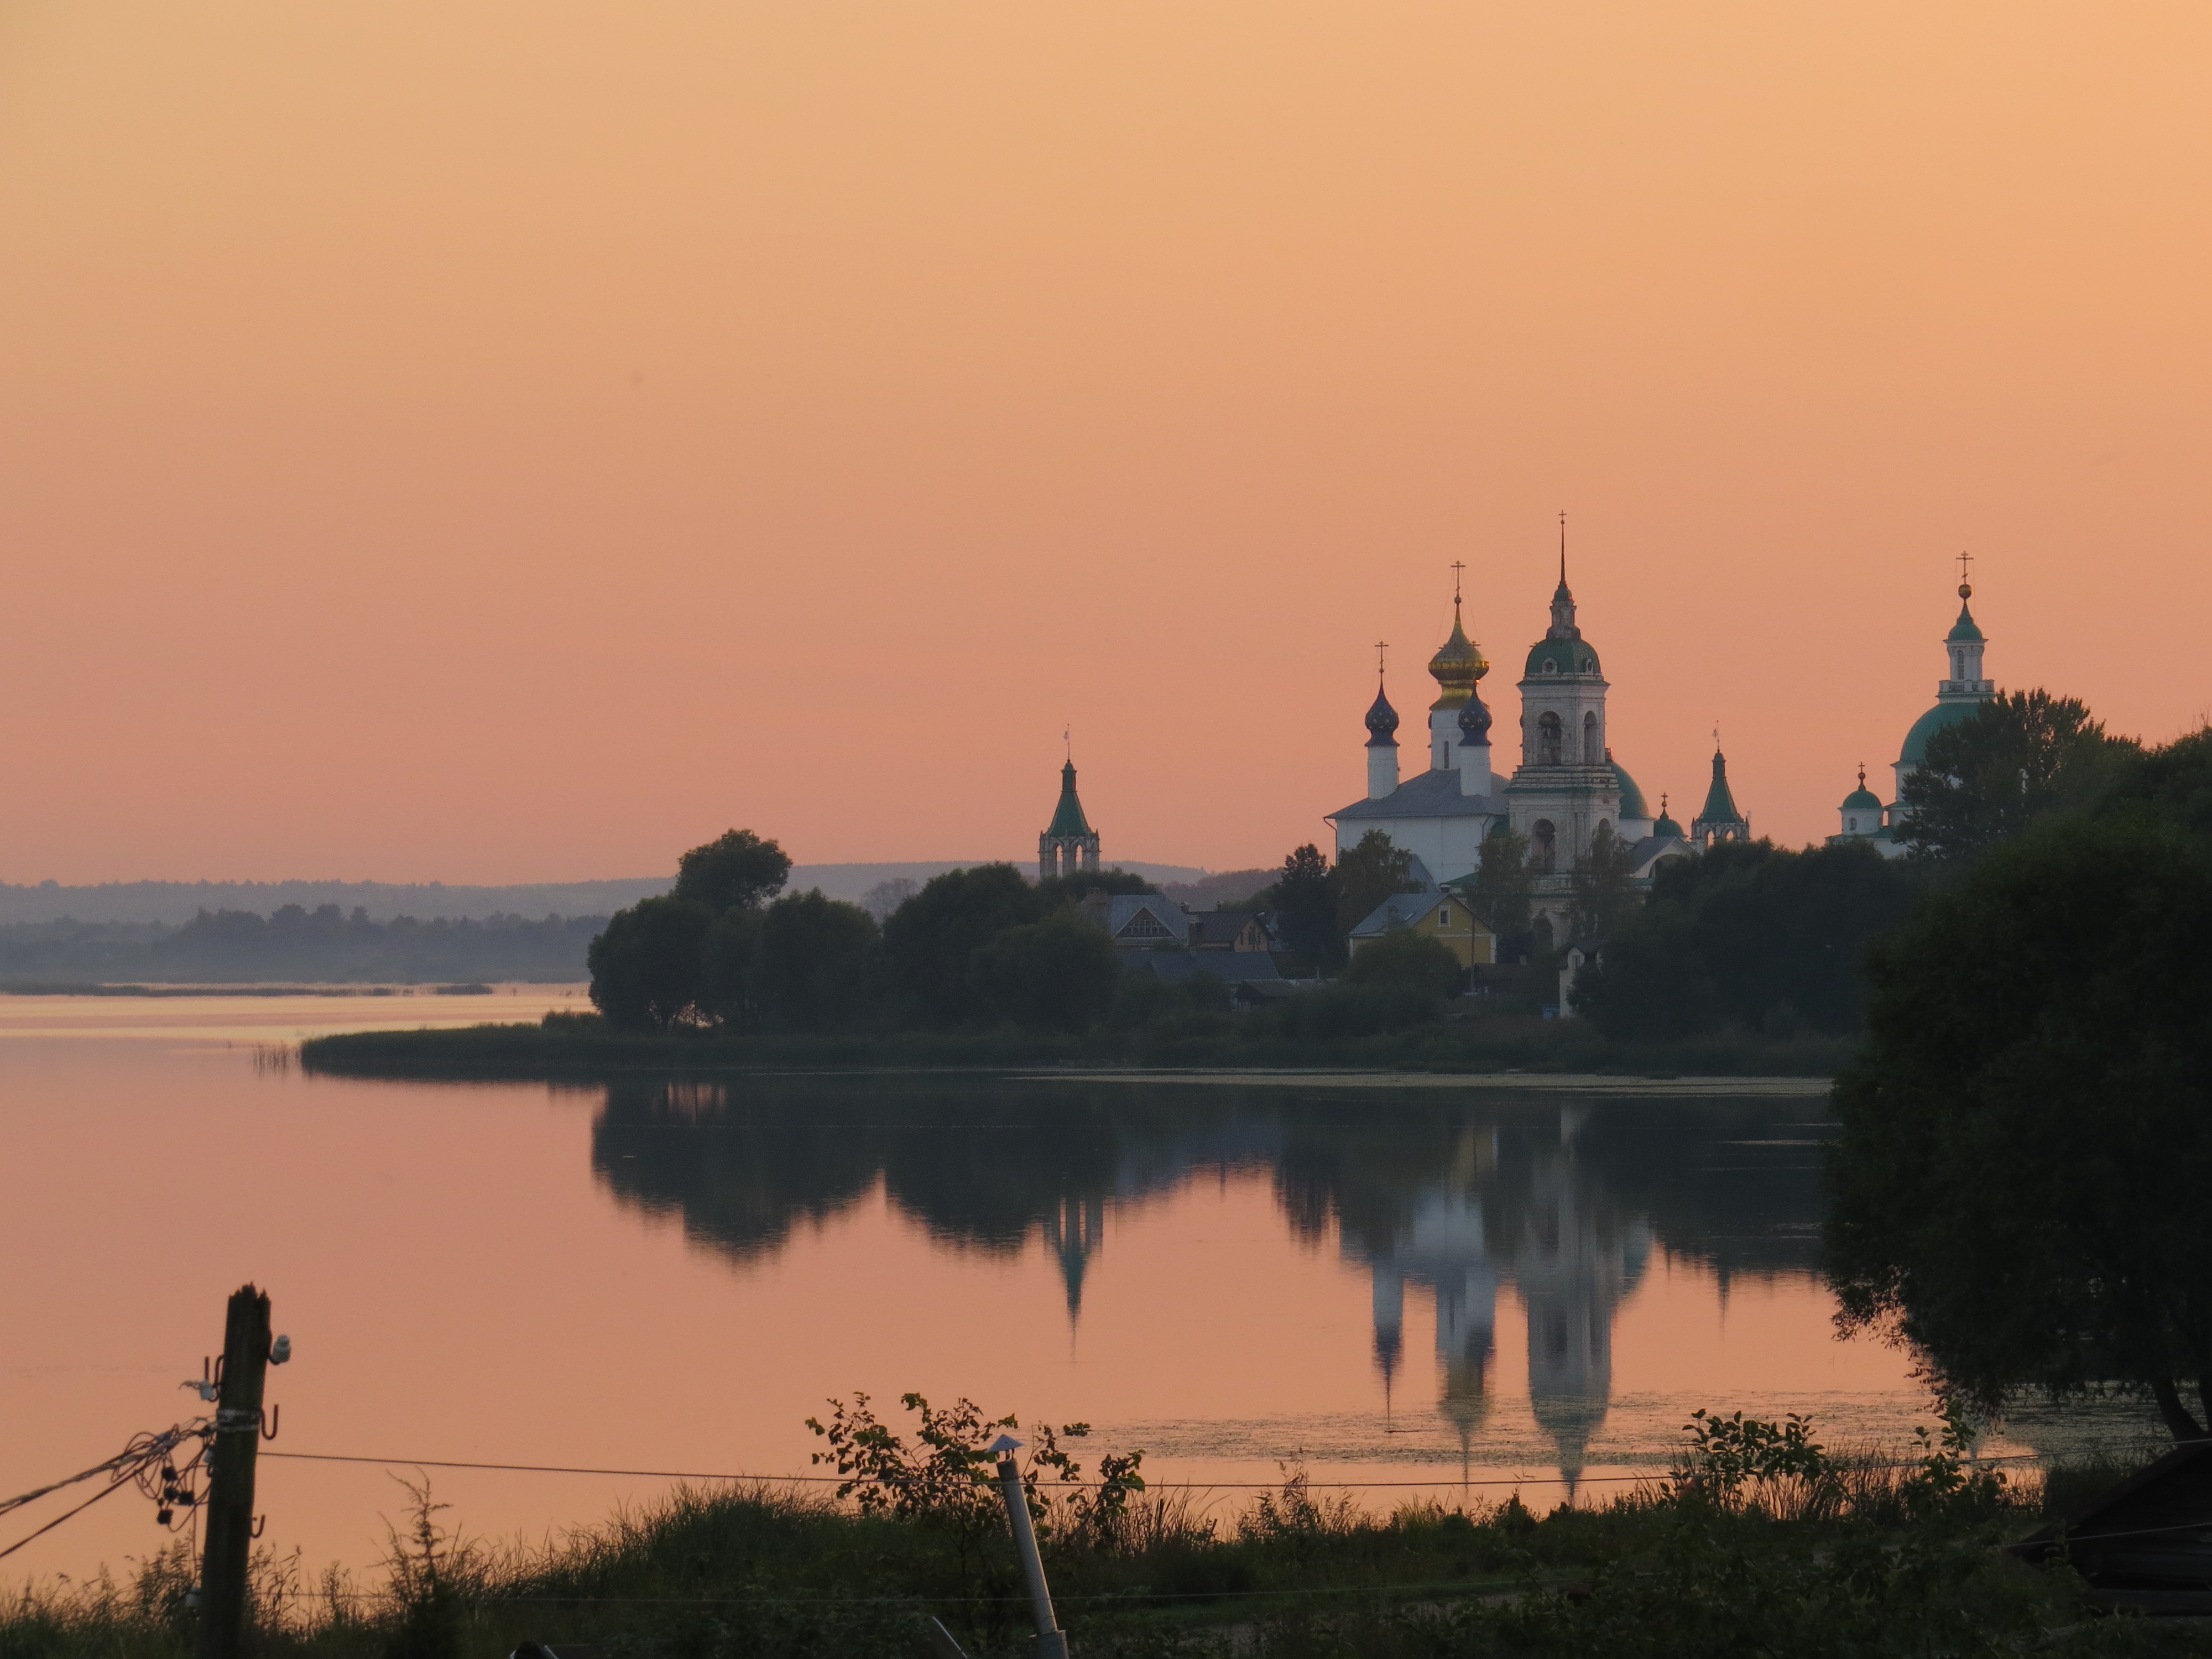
1067,818
1720,803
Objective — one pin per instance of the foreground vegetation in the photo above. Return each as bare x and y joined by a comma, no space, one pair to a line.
584,1046
1760,1542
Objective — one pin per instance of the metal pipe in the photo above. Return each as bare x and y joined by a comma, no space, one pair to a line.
1051,1641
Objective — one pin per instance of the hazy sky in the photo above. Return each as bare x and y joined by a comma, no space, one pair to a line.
516,442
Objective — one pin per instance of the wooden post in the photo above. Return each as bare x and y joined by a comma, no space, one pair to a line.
230,1482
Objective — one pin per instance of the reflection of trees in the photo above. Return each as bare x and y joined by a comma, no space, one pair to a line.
1454,1196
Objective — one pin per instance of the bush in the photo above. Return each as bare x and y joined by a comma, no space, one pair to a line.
1057,974
1403,960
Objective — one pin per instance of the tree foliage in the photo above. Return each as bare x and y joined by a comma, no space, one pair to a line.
1501,888
2027,1133
1750,936
738,870
1303,902
647,967
812,963
2017,760
929,941
1603,897
1404,959
1055,974
1371,871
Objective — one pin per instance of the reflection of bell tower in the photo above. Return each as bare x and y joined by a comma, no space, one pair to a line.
1074,1229
1573,1267
1389,1323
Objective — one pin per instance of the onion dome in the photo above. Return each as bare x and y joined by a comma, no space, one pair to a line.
1665,826
1862,800
1474,720
1458,663
1382,721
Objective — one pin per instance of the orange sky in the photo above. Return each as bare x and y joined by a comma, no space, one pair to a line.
490,441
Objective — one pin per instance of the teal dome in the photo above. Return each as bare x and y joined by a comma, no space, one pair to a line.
1915,752
1965,630
1631,798
1561,657
1862,800
1667,828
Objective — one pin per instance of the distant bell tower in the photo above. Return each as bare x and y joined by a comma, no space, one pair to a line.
1721,820
1069,843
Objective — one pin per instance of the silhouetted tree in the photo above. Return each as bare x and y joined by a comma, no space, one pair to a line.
736,870
812,957
1374,869
647,967
1603,897
1498,894
931,939
1057,974
1303,903
1406,960
1748,935
2017,760
2028,1132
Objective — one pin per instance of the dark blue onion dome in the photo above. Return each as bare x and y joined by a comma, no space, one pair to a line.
1381,722
1473,719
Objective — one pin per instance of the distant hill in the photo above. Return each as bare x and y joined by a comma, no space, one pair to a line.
177,902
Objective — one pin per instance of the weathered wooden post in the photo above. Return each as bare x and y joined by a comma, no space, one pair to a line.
230,1476
1051,1641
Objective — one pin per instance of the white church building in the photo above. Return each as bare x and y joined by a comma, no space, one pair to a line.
1564,783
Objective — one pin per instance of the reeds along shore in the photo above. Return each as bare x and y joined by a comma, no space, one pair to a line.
1859,1557
567,1046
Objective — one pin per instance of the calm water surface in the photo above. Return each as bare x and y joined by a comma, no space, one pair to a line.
1435,1284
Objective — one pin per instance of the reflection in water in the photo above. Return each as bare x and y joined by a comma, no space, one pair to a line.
1563,1205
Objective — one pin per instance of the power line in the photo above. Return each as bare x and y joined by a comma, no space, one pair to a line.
1150,1485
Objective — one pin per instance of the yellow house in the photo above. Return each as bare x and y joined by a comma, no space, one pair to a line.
1440,916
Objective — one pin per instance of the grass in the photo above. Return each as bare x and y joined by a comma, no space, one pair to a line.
569,1045
1861,1560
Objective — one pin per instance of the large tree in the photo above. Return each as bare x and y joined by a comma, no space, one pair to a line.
2018,759
2027,1142
1603,895
1373,870
812,961
1057,974
647,967
1751,936
1303,904
929,940
1499,892
738,870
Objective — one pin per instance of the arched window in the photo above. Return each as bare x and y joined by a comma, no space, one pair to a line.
1850,825
1551,666
1541,934
1591,750
1543,845
1548,738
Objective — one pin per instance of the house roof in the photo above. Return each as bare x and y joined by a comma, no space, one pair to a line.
1123,910
1403,910
1424,795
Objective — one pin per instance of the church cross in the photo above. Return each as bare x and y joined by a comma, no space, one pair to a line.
1458,566
1381,645
1965,560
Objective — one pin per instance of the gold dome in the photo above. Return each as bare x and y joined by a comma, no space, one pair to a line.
1458,663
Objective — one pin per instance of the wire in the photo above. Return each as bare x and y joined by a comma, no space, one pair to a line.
1049,1485
133,1466
108,1491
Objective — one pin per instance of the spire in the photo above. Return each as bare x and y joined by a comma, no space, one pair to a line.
1563,597
1562,592
1720,820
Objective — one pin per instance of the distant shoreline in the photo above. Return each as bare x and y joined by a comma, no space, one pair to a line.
1425,1056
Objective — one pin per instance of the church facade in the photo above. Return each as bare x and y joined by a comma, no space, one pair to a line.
1564,787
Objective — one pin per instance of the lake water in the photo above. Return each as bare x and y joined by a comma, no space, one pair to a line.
1507,1282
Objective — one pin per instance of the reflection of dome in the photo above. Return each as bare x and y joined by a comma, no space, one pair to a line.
1382,723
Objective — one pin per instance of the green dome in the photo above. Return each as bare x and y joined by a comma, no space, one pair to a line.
1942,714
1565,656
1965,630
1862,800
1631,798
